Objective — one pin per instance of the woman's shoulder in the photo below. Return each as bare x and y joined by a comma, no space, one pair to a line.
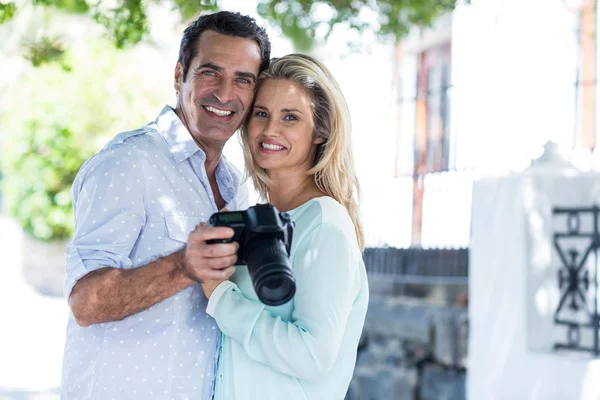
322,213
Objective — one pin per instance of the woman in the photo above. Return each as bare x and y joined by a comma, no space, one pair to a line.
298,152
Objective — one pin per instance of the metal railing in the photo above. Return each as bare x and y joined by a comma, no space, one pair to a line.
577,246
417,272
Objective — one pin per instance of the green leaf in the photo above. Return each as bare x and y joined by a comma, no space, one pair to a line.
7,11
190,9
126,25
72,6
299,19
46,50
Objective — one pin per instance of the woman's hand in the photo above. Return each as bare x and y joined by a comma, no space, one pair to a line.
209,287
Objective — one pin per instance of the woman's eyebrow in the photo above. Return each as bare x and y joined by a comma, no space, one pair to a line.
282,110
291,110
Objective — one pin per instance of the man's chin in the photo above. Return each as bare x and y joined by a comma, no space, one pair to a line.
215,134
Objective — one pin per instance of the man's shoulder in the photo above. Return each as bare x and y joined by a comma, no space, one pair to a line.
136,143
134,146
141,139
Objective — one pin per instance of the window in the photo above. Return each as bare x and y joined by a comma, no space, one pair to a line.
424,113
432,150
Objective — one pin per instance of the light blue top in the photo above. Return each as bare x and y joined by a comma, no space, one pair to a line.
134,201
305,349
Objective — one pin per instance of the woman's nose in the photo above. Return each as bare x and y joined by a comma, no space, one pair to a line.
271,128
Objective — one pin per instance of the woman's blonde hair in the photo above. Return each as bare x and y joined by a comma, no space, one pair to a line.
334,165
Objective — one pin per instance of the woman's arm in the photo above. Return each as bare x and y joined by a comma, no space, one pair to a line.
326,268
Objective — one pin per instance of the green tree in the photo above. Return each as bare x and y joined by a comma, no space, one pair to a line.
303,21
58,118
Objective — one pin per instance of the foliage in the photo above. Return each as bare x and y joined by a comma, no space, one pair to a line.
40,169
126,23
7,11
302,19
46,50
57,119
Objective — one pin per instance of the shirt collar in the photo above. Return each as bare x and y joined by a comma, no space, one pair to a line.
178,138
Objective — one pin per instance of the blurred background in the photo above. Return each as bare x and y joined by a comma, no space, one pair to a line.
473,121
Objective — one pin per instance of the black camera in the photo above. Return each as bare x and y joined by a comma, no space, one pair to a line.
265,238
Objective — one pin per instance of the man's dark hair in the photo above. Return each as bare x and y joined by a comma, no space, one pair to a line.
226,23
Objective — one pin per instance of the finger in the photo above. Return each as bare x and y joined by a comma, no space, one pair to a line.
224,209
204,233
219,250
215,264
197,261
221,263
222,274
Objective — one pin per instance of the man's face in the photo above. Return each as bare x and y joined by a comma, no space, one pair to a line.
219,87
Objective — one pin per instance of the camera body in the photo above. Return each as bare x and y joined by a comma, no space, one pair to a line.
265,238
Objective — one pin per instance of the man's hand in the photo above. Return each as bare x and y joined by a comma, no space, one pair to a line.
209,264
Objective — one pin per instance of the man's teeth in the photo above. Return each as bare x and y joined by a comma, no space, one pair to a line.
271,146
220,113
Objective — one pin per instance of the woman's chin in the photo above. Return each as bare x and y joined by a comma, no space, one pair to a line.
267,165
263,162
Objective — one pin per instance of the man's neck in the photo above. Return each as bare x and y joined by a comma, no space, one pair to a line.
212,151
213,156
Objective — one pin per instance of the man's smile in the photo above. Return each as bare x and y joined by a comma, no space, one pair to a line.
220,113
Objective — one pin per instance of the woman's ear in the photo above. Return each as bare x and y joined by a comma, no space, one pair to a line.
318,140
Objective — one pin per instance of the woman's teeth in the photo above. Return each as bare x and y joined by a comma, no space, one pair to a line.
271,146
220,113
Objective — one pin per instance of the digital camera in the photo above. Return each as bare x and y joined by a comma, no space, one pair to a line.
265,238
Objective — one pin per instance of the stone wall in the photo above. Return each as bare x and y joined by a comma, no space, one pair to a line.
411,350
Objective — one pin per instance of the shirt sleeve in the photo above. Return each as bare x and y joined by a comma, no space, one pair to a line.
327,283
109,212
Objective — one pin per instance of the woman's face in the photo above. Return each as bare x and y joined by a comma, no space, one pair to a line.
280,128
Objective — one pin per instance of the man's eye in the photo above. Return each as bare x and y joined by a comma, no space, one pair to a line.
244,80
290,117
208,73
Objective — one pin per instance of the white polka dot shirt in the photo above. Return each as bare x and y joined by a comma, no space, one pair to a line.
134,201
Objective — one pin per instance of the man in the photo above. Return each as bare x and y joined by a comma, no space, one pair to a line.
138,327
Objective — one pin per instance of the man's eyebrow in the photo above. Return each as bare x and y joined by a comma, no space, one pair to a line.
217,68
212,66
246,75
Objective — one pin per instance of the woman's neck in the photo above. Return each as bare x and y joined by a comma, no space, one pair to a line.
288,192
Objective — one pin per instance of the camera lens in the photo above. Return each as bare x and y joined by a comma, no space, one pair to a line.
276,290
270,270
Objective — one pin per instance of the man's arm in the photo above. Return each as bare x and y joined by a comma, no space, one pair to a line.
111,294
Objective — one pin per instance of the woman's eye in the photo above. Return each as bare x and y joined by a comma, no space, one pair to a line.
261,114
290,117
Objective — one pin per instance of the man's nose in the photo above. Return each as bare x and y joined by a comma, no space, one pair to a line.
224,92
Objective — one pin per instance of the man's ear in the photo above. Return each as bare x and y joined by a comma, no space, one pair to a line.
178,77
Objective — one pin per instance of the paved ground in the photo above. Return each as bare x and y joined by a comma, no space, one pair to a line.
32,328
